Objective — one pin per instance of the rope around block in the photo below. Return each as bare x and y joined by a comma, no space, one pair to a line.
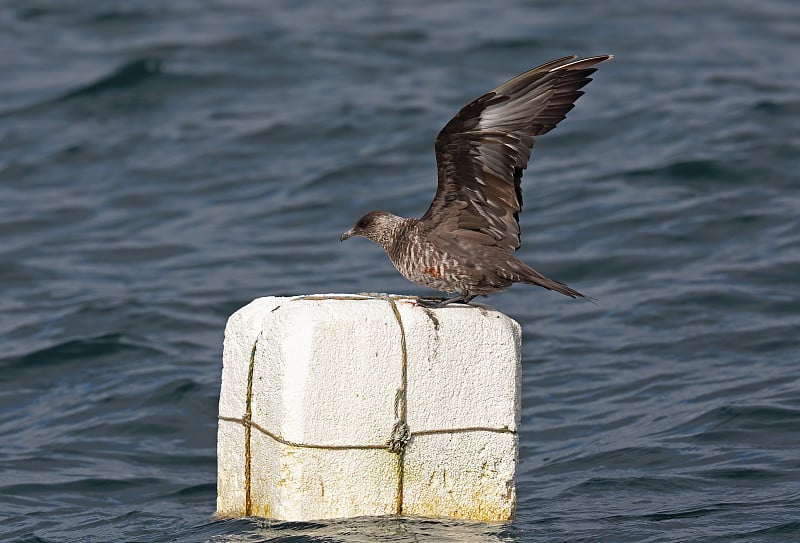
400,435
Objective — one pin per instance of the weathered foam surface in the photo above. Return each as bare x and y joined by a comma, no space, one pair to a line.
325,377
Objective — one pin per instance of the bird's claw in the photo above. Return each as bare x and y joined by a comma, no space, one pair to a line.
431,303
438,303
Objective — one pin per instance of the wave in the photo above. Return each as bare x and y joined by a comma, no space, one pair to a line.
72,350
128,75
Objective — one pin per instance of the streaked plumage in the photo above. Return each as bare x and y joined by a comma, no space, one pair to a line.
465,242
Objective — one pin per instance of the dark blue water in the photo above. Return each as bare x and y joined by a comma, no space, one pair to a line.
163,163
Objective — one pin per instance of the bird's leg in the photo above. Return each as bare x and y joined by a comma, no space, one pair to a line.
463,298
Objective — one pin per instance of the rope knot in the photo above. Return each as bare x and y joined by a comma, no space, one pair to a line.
399,438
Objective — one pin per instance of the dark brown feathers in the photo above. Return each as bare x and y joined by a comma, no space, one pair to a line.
465,242
482,152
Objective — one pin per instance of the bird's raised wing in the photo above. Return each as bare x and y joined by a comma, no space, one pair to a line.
482,152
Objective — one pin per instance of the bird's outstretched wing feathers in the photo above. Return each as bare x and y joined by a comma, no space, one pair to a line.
482,152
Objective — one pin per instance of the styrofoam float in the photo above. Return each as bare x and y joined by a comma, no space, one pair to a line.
348,405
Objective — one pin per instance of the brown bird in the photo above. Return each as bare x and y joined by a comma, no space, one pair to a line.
465,242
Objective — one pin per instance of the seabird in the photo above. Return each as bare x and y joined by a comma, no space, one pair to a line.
465,242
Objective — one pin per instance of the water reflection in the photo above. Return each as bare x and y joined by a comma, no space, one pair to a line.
371,529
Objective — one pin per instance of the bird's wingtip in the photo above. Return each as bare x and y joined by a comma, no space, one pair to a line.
583,62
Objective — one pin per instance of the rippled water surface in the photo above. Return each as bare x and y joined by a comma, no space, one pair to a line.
163,163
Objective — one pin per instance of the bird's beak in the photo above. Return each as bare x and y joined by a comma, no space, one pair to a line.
347,235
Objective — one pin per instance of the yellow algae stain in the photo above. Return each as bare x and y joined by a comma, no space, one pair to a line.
260,509
475,495
479,506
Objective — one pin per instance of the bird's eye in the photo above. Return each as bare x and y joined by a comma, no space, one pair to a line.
363,223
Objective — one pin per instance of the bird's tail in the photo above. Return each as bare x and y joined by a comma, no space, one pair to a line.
522,273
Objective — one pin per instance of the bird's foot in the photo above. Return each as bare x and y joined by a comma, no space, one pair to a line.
436,303
430,303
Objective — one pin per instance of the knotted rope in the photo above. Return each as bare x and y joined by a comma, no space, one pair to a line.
400,434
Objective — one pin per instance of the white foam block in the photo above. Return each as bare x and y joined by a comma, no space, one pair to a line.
319,377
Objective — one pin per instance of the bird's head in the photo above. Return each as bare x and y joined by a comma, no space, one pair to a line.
377,226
